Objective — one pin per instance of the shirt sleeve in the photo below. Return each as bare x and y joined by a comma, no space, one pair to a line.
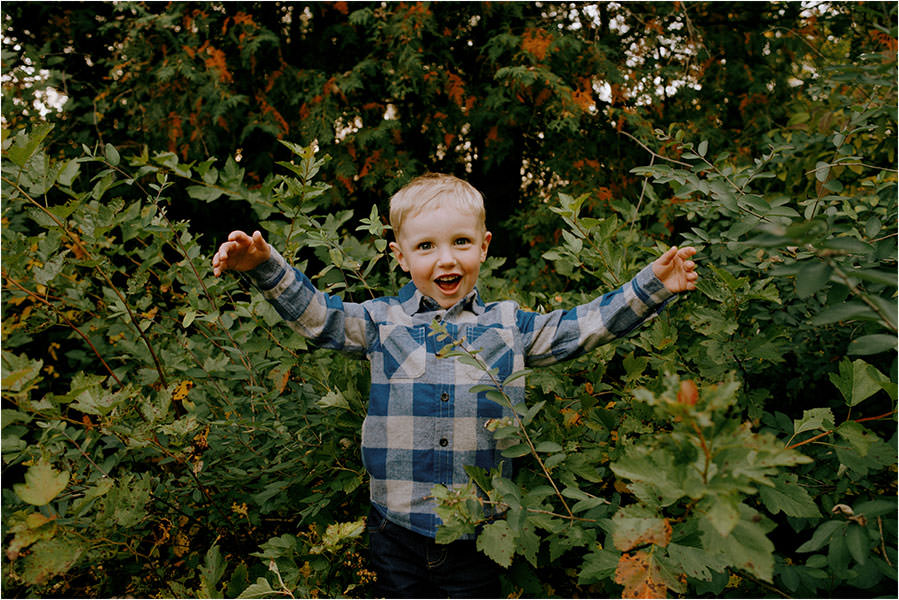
325,320
564,334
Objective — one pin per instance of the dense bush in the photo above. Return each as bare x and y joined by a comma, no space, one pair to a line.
165,435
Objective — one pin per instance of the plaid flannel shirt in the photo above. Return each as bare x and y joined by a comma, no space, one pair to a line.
424,425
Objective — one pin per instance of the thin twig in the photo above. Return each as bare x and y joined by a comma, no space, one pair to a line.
62,315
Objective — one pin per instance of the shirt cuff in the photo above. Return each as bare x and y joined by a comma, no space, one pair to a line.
269,273
651,290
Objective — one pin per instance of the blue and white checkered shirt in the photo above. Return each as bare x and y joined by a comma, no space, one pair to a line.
424,424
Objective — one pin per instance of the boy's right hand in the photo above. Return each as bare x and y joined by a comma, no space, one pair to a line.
241,253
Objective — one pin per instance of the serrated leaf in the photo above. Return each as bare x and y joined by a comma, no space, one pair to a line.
723,512
204,193
42,484
857,381
599,565
25,145
260,589
211,573
68,174
640,575
747,547
696,562
859,438
333,399
498,542
49,558
630,532
812,419
787,496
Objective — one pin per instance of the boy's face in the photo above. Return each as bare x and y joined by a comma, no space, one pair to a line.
442,249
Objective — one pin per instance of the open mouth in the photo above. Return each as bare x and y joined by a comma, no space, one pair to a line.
448,283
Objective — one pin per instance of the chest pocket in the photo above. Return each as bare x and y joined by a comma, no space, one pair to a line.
403,351
495,346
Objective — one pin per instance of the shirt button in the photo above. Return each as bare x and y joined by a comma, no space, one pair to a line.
444,396
444,442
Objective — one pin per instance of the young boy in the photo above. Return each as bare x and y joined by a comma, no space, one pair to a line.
423,424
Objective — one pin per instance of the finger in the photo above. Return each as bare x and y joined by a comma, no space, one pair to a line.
686,252
666,258
257,241
239,237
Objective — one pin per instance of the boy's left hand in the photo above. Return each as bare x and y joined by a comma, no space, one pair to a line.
676,270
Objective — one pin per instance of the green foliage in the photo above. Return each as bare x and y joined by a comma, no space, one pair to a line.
165,434
170,416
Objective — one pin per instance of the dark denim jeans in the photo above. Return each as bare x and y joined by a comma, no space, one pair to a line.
410,565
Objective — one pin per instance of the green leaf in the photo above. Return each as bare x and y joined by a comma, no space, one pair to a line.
724,512
516,375
872,344
747,547
812,419
845,311
812,276
696,562
333,399
204,192
25,145
260,589
19,371
498,542
598,566
548,446
703,148
859,438
112,155
821,536
787,496
857,543
49,558
630,532
42,484
68,174
857,381
822,170
211,573
516,451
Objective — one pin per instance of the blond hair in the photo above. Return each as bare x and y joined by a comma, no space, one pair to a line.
434,190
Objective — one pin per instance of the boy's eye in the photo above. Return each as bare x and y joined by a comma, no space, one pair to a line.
462,241
425,246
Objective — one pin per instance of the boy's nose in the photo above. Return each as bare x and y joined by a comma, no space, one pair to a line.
446,257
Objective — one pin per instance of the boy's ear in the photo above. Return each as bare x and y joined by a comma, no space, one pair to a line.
484,245
398,254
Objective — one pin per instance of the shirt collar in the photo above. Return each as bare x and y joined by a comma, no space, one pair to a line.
413,301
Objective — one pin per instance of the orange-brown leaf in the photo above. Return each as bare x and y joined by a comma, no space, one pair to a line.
640,576
688,394
631,532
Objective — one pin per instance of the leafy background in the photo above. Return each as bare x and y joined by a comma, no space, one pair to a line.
165,435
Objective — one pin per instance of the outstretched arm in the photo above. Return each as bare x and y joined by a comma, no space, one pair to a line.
240,253
675,269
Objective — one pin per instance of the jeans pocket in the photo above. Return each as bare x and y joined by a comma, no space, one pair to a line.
376,522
